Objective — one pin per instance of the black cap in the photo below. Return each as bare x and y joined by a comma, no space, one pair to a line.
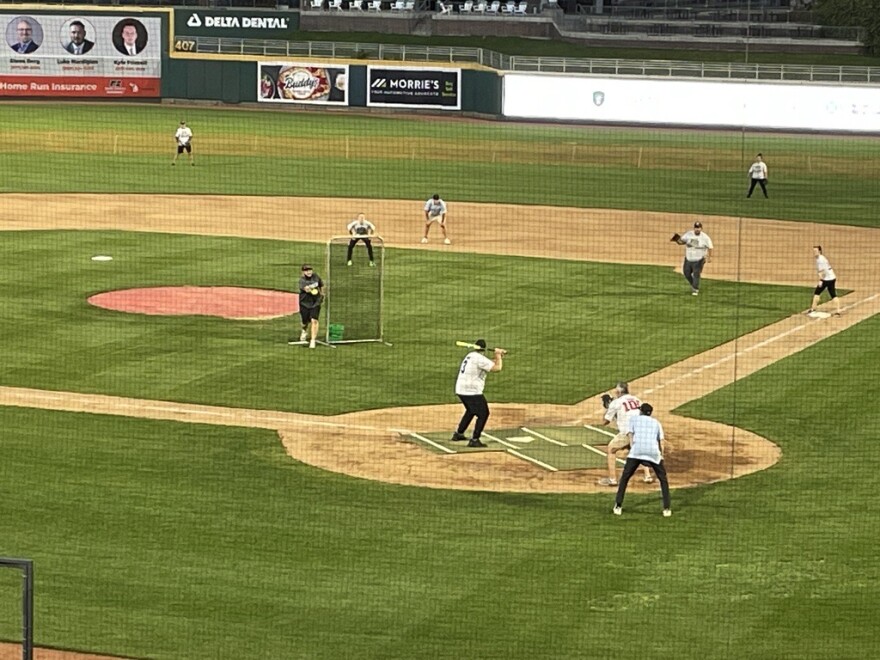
698,224
481,344
436,196
307,267
646,409
182,122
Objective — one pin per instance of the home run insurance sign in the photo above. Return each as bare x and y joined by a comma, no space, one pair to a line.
414,88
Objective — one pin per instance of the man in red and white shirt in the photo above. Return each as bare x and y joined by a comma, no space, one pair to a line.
623,407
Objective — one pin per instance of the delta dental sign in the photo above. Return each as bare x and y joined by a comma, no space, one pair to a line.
232,23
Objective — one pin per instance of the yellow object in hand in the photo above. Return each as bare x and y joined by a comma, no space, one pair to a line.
315,291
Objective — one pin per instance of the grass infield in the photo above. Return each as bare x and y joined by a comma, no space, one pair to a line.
129,148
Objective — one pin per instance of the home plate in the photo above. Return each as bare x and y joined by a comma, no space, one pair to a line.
521,438
102,257
819,315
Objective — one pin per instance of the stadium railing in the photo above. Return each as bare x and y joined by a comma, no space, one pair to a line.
481,56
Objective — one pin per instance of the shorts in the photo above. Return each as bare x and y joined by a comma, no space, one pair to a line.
184,147
618,442
309,313
830,285
434,218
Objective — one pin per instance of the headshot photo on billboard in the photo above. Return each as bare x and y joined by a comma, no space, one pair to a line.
130,36
77,36
24,35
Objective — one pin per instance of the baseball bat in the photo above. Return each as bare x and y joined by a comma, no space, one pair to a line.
466,344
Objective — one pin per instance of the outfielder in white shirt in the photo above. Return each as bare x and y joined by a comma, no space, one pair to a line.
469,389
758,175
183,138
827,281
435,211
623,407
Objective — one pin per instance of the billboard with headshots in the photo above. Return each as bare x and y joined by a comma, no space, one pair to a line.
86,56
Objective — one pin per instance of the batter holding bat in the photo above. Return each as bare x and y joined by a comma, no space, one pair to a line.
469,389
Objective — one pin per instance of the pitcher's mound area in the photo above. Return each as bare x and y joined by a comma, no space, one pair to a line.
229,302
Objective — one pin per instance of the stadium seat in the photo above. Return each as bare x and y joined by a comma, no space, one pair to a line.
494,7
522,9
397,6
410,5
467,7
356,5
317,4
443,8
375,5
335,4
480,7
508,7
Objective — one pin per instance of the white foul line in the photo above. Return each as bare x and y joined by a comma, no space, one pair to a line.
432,443
543,437
499,441
598,430
542,464
749,349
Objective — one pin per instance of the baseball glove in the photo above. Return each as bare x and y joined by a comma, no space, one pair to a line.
675,238
606,400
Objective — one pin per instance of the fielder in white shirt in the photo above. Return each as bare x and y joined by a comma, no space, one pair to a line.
183,138
697,253
360,230
620,408
827,281
435,211
646,438
469,389
758,175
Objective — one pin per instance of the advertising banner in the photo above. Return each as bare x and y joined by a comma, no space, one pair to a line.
302,82
64,55
414,88
758,105
242,24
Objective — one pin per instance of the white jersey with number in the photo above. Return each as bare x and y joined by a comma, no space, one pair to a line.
183,135
622,409
696,245
435,208
472,373
826,273
361,227
758,170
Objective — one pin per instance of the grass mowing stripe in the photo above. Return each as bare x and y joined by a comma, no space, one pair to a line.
544,437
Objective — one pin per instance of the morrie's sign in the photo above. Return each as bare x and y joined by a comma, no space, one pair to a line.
251,24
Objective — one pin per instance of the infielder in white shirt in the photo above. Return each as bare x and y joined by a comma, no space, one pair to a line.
758,175
697,253
469,388
646,436
435,211
620,408
183,137
360,230
827,281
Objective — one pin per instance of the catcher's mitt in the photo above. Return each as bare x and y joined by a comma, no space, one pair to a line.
606,400
675,238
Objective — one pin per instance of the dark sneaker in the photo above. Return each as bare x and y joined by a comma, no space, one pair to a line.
475,443
458,437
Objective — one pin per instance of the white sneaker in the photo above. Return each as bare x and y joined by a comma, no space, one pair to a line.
424,240
446,241
303,336
605,481
617,511
648,479
312,344
667,513
695,293
348,263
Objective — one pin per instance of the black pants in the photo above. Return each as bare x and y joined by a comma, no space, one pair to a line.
475,405
632,464
755,182
692,271
354,241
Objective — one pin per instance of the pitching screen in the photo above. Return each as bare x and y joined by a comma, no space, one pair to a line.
354,292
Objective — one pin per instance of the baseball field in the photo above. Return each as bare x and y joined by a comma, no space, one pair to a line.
190,485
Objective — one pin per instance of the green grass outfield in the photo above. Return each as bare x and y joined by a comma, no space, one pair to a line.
128,148
168,540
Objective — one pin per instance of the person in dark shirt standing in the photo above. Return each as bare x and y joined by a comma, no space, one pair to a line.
311,295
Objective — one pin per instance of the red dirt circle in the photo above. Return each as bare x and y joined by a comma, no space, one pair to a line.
228,302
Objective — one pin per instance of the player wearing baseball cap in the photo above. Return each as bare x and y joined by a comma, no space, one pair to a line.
311,295
469,389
